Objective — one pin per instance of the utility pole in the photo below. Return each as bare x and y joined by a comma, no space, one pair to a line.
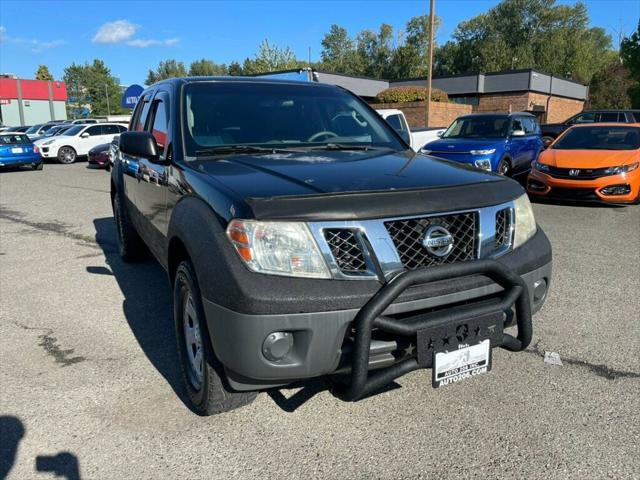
430,71
106,93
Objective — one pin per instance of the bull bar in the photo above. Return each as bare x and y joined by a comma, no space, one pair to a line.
515,294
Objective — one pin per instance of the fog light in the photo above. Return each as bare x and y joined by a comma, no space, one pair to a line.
616,190
537,186
483,164
539,290
277,345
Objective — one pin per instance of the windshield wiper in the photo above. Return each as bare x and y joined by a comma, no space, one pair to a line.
225,149
342,146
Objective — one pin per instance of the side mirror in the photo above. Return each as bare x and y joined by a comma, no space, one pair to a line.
546,142
84,135
139,144
518,133
440,134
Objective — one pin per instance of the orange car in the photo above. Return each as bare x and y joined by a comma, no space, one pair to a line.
597,161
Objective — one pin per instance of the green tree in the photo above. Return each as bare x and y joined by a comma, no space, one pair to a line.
339,52
92,89
235,69
411,58
270,58
166,69
528,34
609,88
204,68
630,53
43,73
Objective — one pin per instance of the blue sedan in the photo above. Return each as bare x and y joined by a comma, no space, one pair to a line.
506,143
16,150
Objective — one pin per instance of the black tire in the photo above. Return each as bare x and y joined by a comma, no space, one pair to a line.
38,166
130,245
504,167
67,155
206,386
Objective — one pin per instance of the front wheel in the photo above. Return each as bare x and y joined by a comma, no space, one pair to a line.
504,167
67,155
202,372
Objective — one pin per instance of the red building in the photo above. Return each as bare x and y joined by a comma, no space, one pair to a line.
29,102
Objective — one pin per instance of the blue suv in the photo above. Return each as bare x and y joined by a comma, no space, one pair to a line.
506,143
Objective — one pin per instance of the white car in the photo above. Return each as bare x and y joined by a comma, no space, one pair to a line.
78,140
416,138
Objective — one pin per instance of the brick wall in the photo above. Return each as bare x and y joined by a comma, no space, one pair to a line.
442,113
559,108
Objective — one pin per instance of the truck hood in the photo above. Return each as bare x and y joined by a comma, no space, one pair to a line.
588,158
463,145
307,184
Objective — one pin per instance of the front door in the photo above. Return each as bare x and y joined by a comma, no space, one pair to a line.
151,194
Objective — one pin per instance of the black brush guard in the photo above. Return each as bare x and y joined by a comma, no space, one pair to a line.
515,293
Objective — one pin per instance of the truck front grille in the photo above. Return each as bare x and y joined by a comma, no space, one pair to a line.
346,250
503,228
408,235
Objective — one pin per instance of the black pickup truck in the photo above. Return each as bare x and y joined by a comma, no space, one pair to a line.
304,238
552,130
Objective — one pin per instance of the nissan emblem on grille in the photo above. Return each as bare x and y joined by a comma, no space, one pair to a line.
574,172
438,241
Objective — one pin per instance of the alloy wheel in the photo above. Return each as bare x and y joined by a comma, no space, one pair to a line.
193,341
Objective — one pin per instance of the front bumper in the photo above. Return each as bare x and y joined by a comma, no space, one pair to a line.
542,185
323,342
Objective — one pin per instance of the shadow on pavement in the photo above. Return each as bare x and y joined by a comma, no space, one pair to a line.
62,465
147,305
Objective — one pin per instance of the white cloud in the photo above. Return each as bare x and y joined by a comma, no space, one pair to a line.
144,43
35,45
115,32
38,46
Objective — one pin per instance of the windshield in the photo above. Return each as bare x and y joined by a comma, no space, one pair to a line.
33,129
270,115
485,126
17,138
61,130
599,138
74,130
52,131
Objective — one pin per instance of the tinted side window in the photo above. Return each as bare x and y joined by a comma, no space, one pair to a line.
608,117
395,121
93,131
110,130
636,115
142,119
516,125
530,125
589,117
160,123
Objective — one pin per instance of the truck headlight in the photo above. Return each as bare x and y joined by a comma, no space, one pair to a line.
483,152
278,248
525,221
483,164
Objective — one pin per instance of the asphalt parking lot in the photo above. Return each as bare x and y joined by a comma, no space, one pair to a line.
89,383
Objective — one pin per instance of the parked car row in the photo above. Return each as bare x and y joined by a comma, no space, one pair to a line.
594,156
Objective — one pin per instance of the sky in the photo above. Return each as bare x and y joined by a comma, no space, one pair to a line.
133,36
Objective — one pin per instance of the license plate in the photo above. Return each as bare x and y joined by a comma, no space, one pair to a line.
16,150
457,365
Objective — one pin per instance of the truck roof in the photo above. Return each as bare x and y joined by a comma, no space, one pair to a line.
183,80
